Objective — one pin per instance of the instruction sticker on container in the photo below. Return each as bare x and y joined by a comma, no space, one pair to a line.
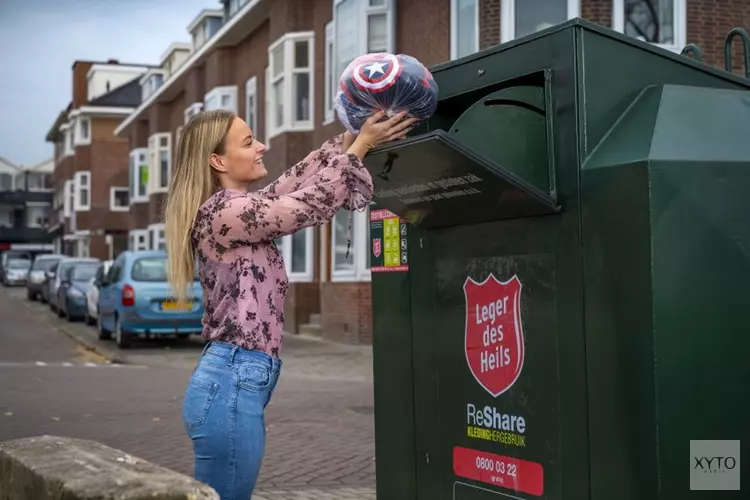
389,250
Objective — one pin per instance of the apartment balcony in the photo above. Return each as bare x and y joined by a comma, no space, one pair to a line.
24,235
22,197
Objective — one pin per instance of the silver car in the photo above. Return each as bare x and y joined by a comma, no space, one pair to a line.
16,271
37,280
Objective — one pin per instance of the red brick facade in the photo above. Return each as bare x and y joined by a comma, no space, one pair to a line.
243,52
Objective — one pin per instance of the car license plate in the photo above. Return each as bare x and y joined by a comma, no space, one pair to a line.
176,306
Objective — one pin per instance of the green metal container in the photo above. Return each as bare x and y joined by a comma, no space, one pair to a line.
569,306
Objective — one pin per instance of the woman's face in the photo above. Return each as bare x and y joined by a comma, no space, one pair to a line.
242,161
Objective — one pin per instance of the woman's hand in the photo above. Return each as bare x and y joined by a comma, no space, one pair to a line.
374,132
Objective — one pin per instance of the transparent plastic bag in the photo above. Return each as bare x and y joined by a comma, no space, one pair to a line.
388,82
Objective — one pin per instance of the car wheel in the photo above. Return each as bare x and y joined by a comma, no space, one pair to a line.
104,334
122,338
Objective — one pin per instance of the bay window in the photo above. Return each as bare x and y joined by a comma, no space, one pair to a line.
67,133
355,267
331,78
520,17
660,22
193,110
251,104
138,239
139,175
297,251
222,98
157,237
291,88
82,200
361,27
160,162
69,197
464,27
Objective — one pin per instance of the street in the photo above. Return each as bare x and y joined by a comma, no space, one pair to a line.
58,378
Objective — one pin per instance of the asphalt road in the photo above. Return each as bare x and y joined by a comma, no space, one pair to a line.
320,442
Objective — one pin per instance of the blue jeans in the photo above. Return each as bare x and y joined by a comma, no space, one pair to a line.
223,414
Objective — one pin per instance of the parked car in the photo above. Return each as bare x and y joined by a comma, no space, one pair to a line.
11,254
92,294
38,275
16,271
135,299
71,294
56,276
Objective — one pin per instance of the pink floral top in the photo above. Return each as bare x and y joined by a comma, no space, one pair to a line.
240,269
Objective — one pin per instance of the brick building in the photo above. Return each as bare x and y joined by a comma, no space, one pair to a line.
276,63
91,200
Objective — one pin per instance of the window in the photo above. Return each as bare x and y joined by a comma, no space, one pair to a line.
355,267
150,83
661,22
160,162
291,83
119,199
251,104
37,181
67,132
70,196
331,78
520,18
83,131
139,239
193,110
157,237
297,251
236,5
222,98
361,26
139,175
464,27
82,191
6,182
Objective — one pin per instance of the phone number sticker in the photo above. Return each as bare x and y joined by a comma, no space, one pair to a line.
512,473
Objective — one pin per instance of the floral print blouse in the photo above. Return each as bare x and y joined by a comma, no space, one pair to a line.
240,268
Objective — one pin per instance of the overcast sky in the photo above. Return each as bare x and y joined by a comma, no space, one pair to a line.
40,39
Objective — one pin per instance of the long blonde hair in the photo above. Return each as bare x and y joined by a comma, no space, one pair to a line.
192,183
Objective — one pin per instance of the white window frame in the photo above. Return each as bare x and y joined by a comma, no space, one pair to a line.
287,44
80,139
359,250
69,196
113,198
134,236
155,148
508,17
82,181
135,156
154,230
267,106
219,93
67,129
287,250
251,89
680,23
454,28
193,110
331,78
364,12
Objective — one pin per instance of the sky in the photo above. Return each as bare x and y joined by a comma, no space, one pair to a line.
40,39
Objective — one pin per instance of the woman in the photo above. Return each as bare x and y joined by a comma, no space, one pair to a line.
213,218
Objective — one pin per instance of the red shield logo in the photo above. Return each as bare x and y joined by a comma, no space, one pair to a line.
376,247
494,340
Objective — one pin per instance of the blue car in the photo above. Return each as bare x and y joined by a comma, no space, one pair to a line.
135,299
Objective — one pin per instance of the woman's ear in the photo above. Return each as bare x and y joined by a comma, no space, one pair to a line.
217,163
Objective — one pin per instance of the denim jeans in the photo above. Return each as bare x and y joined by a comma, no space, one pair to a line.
223,414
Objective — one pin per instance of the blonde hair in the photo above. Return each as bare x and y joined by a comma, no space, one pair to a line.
193,182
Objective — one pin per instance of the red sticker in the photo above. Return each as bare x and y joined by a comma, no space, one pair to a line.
493,339
511,473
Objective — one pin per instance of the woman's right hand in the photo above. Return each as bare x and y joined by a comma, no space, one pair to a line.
375,132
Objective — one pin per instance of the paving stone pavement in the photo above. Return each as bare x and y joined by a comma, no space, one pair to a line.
320,421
